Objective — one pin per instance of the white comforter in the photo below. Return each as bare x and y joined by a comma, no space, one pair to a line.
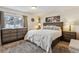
43,38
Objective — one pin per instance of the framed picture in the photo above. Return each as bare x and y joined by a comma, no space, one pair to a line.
56,18
53,19
48,19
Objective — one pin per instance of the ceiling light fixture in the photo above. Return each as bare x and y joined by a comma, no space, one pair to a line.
34,7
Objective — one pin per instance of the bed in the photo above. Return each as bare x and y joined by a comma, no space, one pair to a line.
44,37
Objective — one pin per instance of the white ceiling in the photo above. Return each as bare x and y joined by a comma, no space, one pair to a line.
40,9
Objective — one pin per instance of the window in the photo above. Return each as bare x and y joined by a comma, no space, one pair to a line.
13,21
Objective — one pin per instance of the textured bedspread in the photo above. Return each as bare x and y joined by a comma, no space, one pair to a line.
43,38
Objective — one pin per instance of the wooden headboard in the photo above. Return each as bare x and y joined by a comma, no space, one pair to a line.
60,24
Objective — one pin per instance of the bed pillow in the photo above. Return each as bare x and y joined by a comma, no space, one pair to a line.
52,27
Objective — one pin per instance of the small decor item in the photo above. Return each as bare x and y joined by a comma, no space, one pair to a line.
56,18
39,20
70,27
48,19
32,19
38,26
52,19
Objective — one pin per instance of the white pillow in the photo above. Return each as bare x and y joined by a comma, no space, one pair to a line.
52,27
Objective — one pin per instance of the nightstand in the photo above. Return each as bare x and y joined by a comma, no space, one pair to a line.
67,36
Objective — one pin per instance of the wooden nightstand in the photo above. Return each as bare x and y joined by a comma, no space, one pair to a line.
67,36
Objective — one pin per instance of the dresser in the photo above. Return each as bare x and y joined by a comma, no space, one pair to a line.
67,36
21,32
10,35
